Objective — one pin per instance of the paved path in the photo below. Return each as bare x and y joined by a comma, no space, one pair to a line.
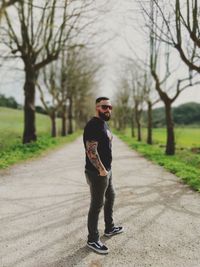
44,204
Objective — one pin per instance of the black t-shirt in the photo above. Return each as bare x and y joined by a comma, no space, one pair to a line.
97,130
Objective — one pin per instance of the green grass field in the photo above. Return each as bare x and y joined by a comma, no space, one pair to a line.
11,126
11,130
185,164
185,137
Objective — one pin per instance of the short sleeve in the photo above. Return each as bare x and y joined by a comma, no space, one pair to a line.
91,133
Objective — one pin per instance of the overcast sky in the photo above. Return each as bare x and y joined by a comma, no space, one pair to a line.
127,33
125,20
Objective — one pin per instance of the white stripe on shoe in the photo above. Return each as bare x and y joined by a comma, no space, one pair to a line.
116,230
98,247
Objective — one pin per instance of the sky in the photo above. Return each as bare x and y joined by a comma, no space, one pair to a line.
125,20
122,24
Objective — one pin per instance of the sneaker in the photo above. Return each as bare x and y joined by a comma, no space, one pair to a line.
115,230
98,246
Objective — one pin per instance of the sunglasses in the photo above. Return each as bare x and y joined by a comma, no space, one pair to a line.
105,107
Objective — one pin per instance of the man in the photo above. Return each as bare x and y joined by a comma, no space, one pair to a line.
97,140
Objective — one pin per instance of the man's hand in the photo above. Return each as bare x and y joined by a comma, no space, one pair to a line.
103,173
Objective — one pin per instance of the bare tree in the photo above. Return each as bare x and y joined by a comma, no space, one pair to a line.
50,82
69,82
37,34
138,87
80,70
129,98
5,4
180,28
84,99
151,99
161,83
121,107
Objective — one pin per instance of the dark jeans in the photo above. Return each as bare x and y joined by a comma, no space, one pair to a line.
102,193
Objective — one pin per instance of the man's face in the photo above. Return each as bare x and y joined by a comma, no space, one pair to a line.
104,109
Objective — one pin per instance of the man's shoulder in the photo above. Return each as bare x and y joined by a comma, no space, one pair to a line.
93,122
92,129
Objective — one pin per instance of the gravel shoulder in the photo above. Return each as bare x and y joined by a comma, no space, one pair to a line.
44,205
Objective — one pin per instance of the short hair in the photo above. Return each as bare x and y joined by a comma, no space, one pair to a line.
99,99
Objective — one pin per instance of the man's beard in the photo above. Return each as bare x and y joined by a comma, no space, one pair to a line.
103,116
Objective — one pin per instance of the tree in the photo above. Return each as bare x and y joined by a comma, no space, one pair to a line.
5,4
181,19
78,79
51,82
188,113
129,98
138,99
156,50
68,83
8,102
151,99
122,113
44,29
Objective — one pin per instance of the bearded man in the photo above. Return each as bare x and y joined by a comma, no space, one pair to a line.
97,139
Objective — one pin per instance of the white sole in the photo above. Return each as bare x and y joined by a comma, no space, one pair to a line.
99,251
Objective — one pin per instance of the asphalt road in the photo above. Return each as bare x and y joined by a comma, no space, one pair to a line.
44,205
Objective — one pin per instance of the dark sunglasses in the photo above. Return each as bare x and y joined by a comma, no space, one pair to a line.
104,107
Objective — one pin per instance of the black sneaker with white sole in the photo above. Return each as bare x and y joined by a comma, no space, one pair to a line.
114,231
98,246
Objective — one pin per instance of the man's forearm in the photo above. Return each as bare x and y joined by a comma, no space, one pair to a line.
92,153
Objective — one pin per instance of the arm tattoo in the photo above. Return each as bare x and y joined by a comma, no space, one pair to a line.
92,153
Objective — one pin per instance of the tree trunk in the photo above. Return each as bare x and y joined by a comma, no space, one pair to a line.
133,126
53,124
120,124
64,120
170,146
137,119
149,124
70,116
29,134
115,123
139,132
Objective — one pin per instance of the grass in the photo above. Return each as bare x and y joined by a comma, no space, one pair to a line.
11,127
184,164
185,137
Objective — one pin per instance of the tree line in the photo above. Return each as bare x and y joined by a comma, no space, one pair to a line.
46,37
183,115
170,66
9,102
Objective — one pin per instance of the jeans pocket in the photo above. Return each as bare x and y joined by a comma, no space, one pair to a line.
104,176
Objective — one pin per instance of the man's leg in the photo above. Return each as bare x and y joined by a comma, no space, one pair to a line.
98,187
109,202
